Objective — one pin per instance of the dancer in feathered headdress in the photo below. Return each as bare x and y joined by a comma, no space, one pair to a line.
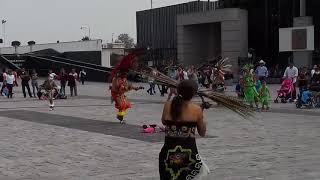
217,77
120,84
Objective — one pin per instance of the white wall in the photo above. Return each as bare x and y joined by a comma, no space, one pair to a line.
74,46
106,56
285,39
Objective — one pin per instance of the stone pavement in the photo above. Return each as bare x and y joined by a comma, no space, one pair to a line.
81,140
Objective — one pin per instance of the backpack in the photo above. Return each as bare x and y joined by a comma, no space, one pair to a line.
1,77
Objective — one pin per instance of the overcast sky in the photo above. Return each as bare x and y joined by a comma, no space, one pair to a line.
50,20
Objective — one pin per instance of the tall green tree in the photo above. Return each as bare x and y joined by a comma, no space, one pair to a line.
127,40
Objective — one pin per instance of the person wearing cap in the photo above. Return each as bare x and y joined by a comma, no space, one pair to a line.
262,71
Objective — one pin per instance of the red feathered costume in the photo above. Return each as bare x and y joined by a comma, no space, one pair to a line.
120,84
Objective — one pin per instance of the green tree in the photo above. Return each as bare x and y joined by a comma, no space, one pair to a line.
127,40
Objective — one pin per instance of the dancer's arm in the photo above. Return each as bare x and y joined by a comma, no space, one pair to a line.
164,112
201,124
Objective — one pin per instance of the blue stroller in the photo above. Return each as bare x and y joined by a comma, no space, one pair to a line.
305,99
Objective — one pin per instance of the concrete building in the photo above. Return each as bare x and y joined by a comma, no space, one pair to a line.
206,35
92,51
197,31
111,53
157,28
93,56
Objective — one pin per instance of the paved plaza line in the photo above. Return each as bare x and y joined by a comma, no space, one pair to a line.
103,127
128,131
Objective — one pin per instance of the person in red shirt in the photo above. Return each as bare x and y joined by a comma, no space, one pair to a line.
63,77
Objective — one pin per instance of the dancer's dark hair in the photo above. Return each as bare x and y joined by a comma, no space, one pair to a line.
186,90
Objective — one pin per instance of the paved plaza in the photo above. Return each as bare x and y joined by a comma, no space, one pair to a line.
81,140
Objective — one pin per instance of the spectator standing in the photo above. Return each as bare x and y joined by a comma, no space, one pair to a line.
151,89
185,74
262,71
315,81
180,74
3,78
292,72
34,82
25,78
192,74
72,82
83,76
16,77
10,79
303,79
313,70
63,77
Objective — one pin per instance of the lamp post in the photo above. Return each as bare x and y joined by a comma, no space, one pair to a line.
3,22
89,31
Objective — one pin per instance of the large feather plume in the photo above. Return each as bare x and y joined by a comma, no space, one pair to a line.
229,102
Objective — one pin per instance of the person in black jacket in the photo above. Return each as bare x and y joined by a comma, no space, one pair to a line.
25,78
315,81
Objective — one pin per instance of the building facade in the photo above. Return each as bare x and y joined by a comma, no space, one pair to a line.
158,28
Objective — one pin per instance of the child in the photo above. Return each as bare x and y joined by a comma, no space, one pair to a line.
258,85
250,92
264,96
239,88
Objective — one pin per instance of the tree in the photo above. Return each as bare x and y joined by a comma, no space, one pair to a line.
86,38
127,40
31,43
15,44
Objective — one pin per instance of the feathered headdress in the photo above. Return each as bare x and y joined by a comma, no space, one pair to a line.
223,65
127,63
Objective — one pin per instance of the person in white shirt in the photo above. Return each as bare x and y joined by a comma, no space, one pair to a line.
313,70
82,76
292,72
185,75
10,79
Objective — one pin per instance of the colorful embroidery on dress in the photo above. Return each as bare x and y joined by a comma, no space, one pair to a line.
178,160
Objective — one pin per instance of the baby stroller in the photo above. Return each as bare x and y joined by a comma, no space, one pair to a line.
315,91
305,99
285,92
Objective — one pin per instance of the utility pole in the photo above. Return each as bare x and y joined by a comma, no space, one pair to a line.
151,3
3,22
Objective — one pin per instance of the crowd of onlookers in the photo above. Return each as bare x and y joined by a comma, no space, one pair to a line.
206,76
9,80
